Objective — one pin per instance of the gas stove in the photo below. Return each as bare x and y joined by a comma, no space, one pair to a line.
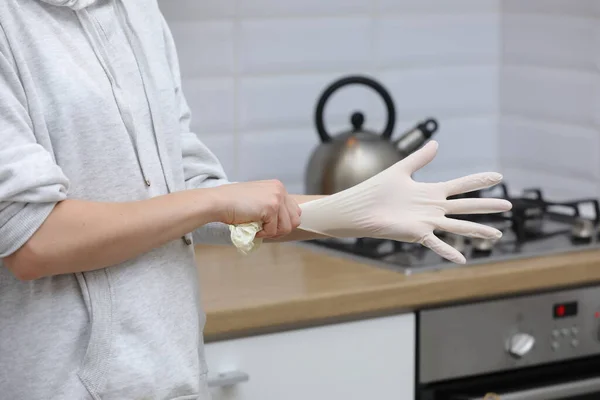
535,226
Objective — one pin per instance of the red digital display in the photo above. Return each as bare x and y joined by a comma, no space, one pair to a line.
564,310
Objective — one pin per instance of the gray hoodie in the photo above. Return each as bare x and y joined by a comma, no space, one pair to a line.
91,107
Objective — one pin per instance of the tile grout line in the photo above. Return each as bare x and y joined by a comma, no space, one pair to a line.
500,62
373,32
389,67
353,14
236,89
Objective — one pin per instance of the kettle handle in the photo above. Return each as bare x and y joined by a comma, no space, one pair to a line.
350,80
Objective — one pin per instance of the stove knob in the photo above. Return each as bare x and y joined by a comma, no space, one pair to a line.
520,344
583,228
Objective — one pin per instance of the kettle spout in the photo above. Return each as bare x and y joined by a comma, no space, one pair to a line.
416,137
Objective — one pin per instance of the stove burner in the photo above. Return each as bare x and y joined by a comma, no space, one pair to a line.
456,241
530,213
483,245
534,225
583,229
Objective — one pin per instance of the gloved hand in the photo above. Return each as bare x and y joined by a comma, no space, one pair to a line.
391,205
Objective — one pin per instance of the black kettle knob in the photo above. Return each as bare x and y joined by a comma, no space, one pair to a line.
357,118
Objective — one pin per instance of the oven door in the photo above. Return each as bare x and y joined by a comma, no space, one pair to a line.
565,381
585,389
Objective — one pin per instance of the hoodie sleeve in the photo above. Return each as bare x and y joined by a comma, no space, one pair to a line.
201,168
31,183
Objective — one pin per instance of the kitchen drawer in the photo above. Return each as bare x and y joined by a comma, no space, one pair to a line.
372,358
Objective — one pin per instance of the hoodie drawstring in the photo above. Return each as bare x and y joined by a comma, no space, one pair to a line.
124,110
134,42
145,70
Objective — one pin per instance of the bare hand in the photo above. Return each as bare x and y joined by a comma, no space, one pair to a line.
262,201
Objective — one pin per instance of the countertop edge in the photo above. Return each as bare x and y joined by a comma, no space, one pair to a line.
413,293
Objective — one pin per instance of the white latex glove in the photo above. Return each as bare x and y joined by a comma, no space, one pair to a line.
244,238
391,205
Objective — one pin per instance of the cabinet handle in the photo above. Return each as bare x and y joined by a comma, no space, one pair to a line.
228,379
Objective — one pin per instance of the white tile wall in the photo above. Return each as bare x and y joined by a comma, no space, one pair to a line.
549,132
205,48
514,84
561,41
430,40
580,8
438,6
319,8
271,102
263,157
303,45
547,147
253,71
549,93
444,91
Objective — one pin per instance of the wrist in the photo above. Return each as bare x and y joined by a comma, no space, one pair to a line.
209,205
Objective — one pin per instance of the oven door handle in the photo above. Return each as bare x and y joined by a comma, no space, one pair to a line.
554,392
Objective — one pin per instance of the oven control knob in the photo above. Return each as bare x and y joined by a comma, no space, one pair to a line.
520,344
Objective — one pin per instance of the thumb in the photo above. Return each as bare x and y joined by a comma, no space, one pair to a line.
421,157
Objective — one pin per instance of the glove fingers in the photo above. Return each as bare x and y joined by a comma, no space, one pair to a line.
442,248
477,206
420,158
468,228
471,183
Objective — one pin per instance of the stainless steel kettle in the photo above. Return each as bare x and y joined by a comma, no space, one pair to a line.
351,157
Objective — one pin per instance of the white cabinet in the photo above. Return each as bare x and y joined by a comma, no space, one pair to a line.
368,359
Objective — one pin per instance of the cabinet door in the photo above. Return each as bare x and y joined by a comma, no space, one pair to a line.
369,359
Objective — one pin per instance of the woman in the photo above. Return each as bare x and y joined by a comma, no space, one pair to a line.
103,191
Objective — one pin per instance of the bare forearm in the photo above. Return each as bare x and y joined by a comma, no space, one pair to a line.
83,236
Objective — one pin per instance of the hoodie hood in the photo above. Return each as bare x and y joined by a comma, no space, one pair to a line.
73,4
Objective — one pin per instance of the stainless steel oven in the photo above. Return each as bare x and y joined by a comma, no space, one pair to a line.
535,347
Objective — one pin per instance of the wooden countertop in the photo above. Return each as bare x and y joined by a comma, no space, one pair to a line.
284,286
